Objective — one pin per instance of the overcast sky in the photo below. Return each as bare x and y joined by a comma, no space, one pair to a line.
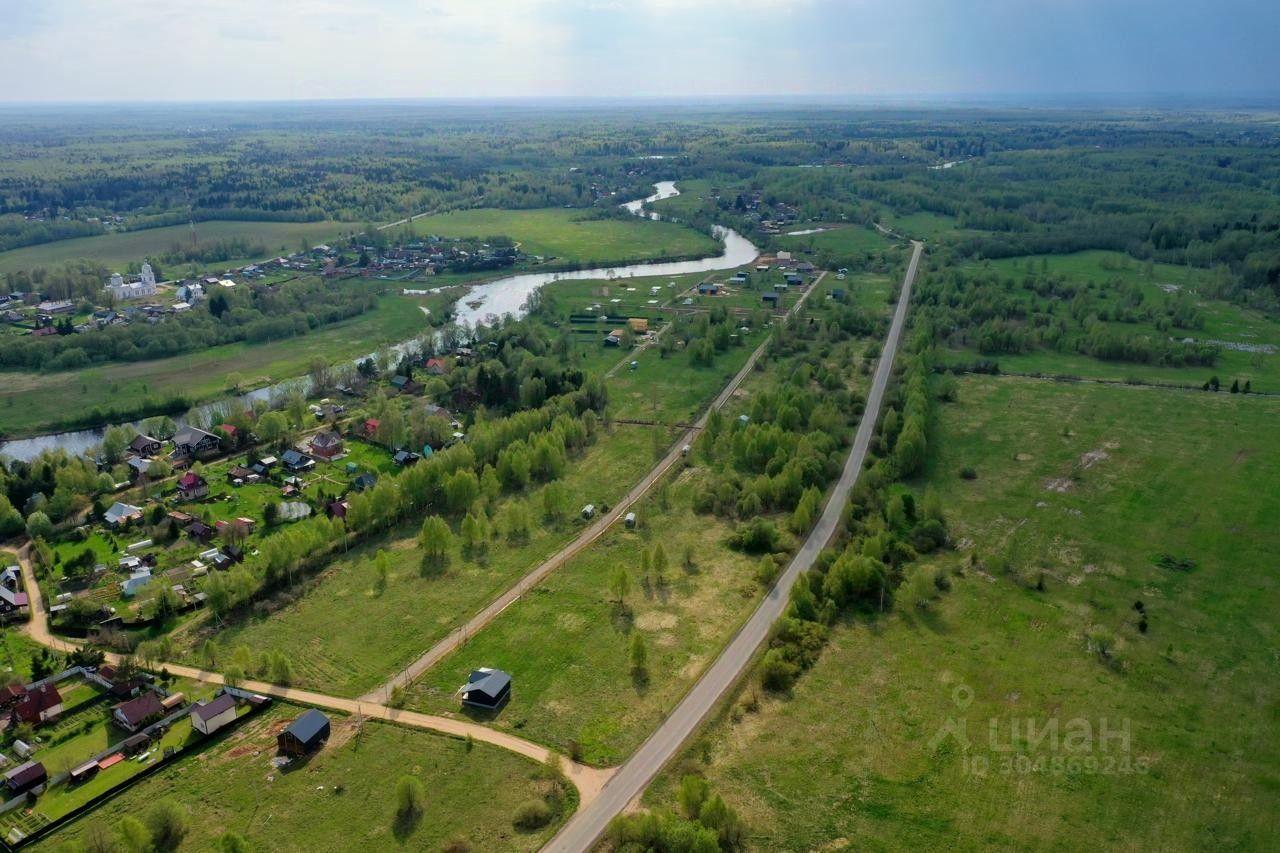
96,50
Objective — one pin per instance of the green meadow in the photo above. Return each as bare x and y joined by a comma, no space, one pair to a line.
346,631
1226,322
568,642
837,239
571,235
1078,495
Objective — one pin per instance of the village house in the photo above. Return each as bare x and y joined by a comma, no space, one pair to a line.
139,711
144,445
405,458
38,705
192,487
62,306
200,531
326,445
136,581
436,367
405,385
295,461
238,475
191,443
120,514
117,685
13,599
208,717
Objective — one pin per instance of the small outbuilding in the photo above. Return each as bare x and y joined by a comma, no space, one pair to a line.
589,511
305,734
24,777
630,520
486,688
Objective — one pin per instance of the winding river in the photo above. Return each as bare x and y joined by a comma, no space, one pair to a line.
482,304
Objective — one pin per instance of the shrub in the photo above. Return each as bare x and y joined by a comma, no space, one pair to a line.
168,825
531,815
777,674
968,473
758,537
411,797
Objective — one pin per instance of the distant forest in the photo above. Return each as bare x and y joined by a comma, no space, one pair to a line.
1193,188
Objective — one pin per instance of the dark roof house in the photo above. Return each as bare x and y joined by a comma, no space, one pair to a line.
190,441
295,461
305,734
137,712
144,445
486,688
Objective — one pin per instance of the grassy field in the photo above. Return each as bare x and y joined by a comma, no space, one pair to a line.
567,235
838,239
119,249
693,197
35,402
15,655
574,686
342,798
566,644
673,390
922,225
1224,322
346,634
1082,487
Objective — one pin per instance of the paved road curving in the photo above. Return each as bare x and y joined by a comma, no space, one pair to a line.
586,826
588,780
459,636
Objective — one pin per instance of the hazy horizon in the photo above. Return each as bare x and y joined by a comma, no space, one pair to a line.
108,51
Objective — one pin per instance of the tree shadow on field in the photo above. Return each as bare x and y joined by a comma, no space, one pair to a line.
927,618
622,617
405,824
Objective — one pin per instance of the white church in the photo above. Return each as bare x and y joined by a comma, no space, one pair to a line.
144,287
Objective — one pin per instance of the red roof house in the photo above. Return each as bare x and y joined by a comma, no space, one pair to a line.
38,705
192,487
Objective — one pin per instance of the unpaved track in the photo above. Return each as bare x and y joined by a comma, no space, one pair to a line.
589,823
588,780
459,636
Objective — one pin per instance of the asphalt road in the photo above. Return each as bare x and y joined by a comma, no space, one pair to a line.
586,827
460,635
